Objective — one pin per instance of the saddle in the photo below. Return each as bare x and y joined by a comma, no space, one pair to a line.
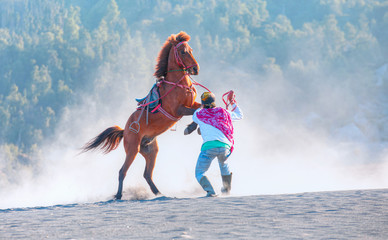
152,98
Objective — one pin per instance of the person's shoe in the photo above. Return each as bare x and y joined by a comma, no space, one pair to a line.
206,185
227,184
211,194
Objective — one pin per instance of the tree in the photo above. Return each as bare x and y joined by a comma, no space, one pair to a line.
72,24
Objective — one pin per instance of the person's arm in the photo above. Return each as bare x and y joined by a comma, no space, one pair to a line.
190,128
236,114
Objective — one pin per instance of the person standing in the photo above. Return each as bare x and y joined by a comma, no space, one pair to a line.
216,129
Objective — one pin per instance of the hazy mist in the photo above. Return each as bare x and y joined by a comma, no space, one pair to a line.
307,126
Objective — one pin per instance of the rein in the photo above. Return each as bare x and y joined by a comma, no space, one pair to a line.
227,104
175,84
198,84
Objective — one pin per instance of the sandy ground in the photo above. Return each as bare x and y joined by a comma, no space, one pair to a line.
356,214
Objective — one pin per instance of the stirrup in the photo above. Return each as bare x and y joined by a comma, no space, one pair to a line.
135,130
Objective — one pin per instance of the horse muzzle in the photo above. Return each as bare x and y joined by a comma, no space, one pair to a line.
194,70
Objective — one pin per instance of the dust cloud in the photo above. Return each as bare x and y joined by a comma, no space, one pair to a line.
299,134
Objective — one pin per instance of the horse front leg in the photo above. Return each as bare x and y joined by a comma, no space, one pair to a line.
187,111
196,105
149,152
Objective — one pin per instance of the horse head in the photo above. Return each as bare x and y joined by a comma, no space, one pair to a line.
183,54
176,55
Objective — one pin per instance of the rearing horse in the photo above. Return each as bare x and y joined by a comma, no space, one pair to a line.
175,64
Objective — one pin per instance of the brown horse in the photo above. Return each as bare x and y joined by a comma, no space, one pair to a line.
175,64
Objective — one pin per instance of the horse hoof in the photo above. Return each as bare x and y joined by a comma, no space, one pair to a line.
118,197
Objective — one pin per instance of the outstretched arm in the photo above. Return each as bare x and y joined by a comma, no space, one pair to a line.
236,114
190,128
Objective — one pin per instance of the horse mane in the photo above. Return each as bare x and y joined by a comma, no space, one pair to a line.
162,60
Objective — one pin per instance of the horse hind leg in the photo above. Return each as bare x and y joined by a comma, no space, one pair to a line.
149,149
131,154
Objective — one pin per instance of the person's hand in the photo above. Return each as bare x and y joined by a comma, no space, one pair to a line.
232,97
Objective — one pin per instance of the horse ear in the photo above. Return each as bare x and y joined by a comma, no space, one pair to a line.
172,39
182,36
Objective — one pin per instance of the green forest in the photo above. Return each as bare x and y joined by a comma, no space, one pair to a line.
51,49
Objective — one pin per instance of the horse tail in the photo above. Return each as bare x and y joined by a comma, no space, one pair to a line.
107,141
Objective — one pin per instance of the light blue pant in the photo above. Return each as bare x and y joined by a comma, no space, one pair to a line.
206,157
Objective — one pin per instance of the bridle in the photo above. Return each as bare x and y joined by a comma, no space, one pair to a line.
179,60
